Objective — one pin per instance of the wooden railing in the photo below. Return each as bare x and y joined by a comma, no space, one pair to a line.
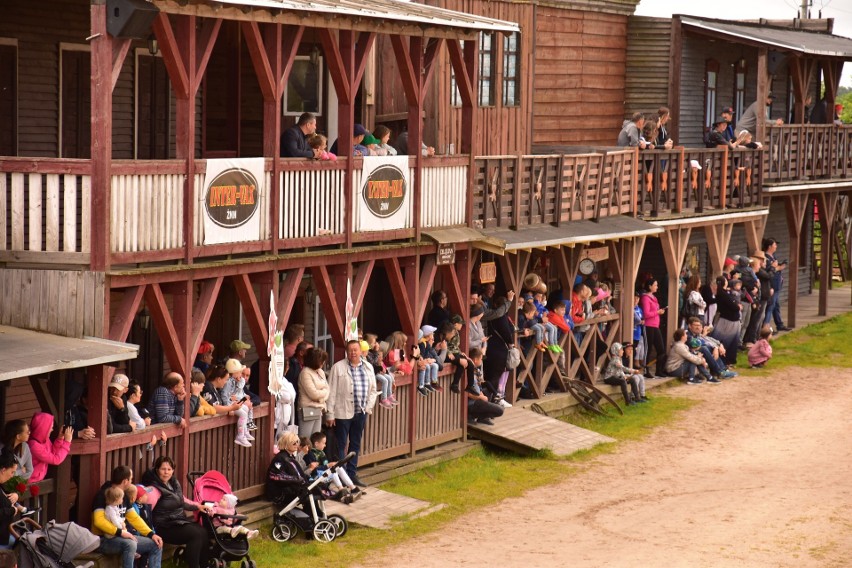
801,152
510,191
44,210
698,179
444,192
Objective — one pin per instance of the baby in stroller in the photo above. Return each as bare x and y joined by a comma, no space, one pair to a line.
339,481
223,518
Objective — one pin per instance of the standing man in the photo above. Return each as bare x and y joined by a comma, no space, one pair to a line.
115,540
728,114
294,140
631,132
773,308
352,384
756,112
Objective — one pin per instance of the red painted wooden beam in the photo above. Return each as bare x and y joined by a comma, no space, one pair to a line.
251,309
204,310
119,329
162,318
288,291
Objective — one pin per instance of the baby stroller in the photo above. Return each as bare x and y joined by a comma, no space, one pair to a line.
306,511
52,546
209,488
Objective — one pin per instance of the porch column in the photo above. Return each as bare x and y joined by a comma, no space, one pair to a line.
827,204
796,207
674,242
346,62
186,51
631,256
675,64
762,92
465,65
801,73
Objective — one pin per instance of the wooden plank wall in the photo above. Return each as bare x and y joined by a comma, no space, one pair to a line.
696,51
579,86
648,54
64,302
21,402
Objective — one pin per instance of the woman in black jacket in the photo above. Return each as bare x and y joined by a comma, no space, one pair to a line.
169,514
8,466
502,337
727,328
284,477
118,421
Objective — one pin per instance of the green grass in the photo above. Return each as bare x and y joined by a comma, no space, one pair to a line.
820,345
481,478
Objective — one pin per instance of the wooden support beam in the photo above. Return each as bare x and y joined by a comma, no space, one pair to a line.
122,321
796,207
333,314
171,55
120,47
827,203
631,258
203,311
675,65
288,291
433,49
674,242
360,283
457,298
362,51
400,293
251,309
568,263
428,269
102,63
718,241
754,233
162,318
762,91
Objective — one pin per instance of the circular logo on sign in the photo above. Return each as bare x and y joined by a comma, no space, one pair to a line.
231,198
384,190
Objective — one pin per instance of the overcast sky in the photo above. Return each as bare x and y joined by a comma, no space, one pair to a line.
840,10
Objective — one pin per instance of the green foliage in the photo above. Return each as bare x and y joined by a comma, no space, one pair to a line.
846,101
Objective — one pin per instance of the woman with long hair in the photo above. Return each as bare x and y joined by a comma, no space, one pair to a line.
693,302
16,433
653,336
727,328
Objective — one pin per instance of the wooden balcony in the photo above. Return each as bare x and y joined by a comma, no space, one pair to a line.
45,209
806,152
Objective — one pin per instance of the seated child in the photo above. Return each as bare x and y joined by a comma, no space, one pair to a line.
617,375
138,495
198,406
634,372
682,362
317,462
114,498
233,391
551,331
427,365
384,376
479,409
531,332
227,505
320,142
761,351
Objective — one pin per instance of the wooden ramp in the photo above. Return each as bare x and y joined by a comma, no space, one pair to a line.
378,509
523,431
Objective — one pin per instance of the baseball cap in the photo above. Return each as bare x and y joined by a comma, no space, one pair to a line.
233,366
237,345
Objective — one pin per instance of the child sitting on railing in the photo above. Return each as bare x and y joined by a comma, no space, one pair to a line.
428,365
551,329
384,376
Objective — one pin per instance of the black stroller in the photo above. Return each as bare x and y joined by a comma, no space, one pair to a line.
305,511
208,488
52,546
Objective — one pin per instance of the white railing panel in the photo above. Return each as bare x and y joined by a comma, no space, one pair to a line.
444,196
147,212
311,204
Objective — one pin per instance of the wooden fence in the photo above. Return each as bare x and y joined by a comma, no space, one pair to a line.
808,151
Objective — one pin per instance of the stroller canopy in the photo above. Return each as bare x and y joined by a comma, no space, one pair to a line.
211,486
61,543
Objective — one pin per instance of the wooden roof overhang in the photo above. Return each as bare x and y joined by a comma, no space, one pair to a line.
396,17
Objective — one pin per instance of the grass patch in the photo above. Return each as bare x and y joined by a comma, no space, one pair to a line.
820,345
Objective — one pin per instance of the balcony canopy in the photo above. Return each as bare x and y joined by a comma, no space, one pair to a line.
818,44
27,353
576,232
376,13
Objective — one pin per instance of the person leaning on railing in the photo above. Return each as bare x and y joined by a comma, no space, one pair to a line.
756,112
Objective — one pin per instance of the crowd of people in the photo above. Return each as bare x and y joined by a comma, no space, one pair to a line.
302,141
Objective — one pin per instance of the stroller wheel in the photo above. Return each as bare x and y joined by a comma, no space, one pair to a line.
284,530
340,524
325,531
178,556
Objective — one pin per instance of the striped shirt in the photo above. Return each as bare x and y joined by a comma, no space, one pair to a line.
360,387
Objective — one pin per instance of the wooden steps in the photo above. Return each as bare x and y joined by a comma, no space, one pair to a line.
522,431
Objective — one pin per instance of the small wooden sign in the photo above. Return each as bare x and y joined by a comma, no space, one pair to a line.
487,272
597,254
446,253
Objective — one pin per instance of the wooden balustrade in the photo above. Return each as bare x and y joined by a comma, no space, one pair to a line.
312,201
444,192
808,151
45,209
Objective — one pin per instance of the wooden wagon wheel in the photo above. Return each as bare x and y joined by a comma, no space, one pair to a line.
588,395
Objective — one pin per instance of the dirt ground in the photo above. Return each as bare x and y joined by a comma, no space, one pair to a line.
757,475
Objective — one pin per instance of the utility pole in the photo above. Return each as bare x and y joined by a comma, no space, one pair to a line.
803,12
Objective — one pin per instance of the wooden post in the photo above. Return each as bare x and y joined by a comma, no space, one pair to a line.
182,296
101,136
827,204
93,466
632,256
465,65
675,64
762,92
718,241
796,207
674,242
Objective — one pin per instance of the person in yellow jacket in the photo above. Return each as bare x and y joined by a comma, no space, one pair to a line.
198,406
114,540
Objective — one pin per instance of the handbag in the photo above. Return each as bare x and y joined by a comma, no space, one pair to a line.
310,413
513,358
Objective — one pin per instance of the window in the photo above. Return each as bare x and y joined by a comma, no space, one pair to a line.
739,89
711,75
486,69
75,101
511,71
152,107
304,87
8,98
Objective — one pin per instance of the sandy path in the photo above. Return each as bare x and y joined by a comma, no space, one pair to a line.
757,475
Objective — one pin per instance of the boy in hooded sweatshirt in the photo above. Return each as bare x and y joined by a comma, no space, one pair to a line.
44,451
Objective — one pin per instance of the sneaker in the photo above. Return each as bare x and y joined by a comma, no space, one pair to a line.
541,346
555,349
422,391
386,403
242,441
694,381
251,425
249,437
643,399
393,400
759,366
714,381
436,387
485,421
728,375
252,534
502,402
455,388
429,387
783,327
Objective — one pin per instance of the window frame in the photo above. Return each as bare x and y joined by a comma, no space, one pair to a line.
740,92
515,79
489,77
710,93
70,47
320,86
13,119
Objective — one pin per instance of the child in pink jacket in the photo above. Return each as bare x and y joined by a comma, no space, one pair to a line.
761,351
44,451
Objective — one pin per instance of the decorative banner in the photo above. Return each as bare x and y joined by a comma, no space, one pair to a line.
231,199
383,198
597,254
351,317
275,349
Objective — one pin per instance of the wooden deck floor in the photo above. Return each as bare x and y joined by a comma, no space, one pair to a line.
378,508
523,431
